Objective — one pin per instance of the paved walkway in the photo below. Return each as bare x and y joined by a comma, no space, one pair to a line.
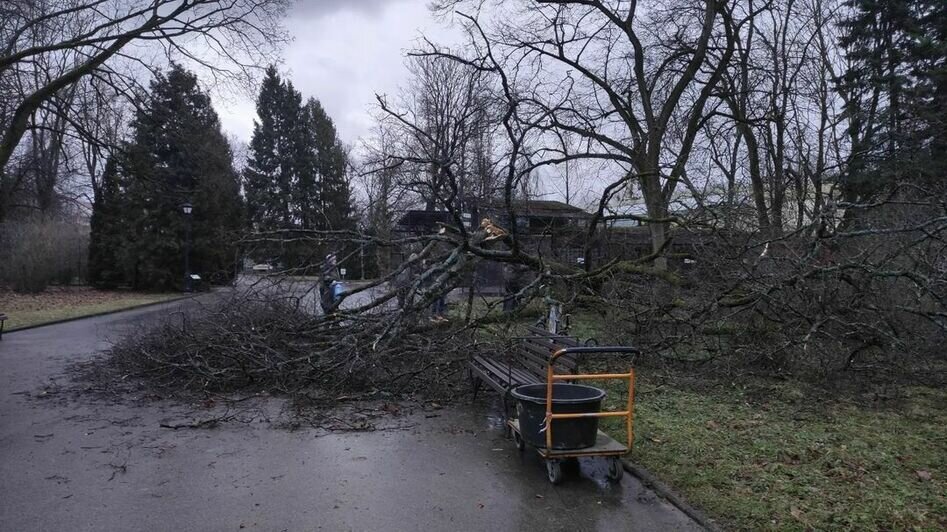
74,463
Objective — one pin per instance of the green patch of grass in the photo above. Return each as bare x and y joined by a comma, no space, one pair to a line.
40,310
584,324
490,310
772,457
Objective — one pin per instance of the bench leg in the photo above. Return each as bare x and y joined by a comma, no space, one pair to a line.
506,406
475,382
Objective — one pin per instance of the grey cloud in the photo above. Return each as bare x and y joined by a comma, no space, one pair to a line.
342,54
317,8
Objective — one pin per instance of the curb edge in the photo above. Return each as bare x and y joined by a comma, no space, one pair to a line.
651,481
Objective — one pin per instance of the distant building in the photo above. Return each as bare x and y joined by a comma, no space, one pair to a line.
417,222
558,231
532,217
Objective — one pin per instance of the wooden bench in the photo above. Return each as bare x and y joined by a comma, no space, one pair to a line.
525,363
3,318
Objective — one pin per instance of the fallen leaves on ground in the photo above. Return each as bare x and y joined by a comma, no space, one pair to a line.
58,297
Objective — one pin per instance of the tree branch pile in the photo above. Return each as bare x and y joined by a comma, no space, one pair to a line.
269,345
865,299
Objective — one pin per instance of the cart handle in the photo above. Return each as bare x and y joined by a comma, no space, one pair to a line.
615,349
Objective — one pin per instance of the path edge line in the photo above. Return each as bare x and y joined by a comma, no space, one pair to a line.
99,314
651,481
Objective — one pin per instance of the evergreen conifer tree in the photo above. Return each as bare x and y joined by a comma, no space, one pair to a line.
266,180
930,57
178,154
106,239
896,92
296,173
334,197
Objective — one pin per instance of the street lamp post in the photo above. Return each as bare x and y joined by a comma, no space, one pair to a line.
187,209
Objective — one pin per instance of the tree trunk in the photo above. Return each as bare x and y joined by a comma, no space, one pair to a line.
658,212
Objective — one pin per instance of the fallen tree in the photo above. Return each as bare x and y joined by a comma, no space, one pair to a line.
259,345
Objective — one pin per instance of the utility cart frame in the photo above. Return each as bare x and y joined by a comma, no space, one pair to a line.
605,446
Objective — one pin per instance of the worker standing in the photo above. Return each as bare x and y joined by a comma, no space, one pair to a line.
329,275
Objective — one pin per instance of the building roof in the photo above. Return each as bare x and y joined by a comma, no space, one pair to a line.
548,208
426,221
423,221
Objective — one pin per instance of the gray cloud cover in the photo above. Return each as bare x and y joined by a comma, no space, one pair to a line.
308,8
343,52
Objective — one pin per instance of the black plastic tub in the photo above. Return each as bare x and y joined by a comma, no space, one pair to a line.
566,399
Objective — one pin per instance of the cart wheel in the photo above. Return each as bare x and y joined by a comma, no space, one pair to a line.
615,469
554,471
518,440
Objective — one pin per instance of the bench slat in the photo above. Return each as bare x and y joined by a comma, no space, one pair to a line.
488,378
527,361
505,370
502,376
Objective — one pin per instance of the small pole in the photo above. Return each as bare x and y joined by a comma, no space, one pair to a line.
187,256
187,208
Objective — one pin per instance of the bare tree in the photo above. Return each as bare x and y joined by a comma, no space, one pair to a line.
442,125
777,80
47,47
381,185
631,75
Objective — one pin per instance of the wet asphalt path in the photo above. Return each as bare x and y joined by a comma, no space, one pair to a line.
78,463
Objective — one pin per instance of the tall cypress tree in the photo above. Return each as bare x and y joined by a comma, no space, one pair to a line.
874,41
334,196
179,154
306,193
896,88
106,239
930,57
266,178
296,172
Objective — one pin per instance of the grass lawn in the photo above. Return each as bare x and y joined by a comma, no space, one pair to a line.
778,455
59,303
770,457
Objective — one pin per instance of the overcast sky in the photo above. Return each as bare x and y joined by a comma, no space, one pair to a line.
344,51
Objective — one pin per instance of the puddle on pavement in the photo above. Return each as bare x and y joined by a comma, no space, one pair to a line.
590,469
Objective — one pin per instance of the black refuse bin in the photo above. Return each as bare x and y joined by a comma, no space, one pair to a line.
566,399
